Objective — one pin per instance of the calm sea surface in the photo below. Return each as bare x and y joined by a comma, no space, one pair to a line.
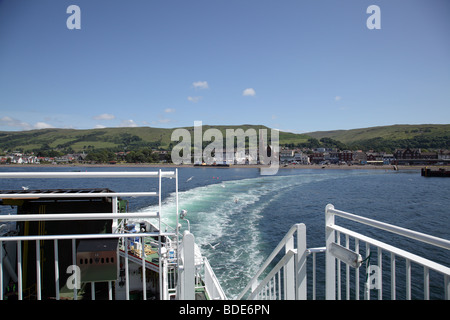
244,215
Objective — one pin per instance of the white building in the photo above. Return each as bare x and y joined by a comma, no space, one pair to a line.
301,158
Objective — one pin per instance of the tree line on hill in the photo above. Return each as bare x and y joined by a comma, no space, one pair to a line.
378,144
144,155
140,150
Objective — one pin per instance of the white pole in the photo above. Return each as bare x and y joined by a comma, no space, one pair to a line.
19,269
144,281
56,269
301,262
330,263
188,283
74,262
127,284
161,287
38,270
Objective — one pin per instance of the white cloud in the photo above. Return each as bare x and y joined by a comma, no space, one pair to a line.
99,126
162,121
249,92
42,125
200,85
169,110
194,99
104,116
128,123
337,98
22,125
11,122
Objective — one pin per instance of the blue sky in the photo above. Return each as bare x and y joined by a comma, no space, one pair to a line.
296,65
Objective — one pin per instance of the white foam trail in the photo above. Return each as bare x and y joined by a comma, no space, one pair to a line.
215,216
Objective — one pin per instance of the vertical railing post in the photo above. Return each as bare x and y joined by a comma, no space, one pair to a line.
393,286
165,278
114,210
188,273
127,280
408,279
330,263
110,292
56,268
144,277
161,288
289,272
301,262
74,263
19,270
38,270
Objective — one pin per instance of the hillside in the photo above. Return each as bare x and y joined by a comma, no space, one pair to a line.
394,132
79,140
116,139
383,138
428,136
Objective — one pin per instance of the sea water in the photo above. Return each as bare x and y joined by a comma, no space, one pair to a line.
238,216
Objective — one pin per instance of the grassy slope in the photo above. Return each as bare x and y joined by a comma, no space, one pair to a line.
394,132
110,137
115,137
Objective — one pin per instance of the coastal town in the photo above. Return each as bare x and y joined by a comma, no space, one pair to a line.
287,157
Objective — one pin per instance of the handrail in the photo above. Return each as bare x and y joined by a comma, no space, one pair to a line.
80,194
106,174
282,244
87,236
398,252
210,275
274,253
439,242
333,274
20,195
77,216
275,269
316,250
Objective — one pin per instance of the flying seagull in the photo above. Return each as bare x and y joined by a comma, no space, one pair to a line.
214,246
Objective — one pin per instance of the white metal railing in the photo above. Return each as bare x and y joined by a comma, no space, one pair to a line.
375,271
173,281
84,175
19,240
196,275
353,263
40,239
312,252
287,279
186,283
212,285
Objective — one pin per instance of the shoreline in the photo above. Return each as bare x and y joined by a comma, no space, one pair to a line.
246,166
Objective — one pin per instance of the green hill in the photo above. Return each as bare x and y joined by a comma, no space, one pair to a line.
383,138
79,140
428,136
115,139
